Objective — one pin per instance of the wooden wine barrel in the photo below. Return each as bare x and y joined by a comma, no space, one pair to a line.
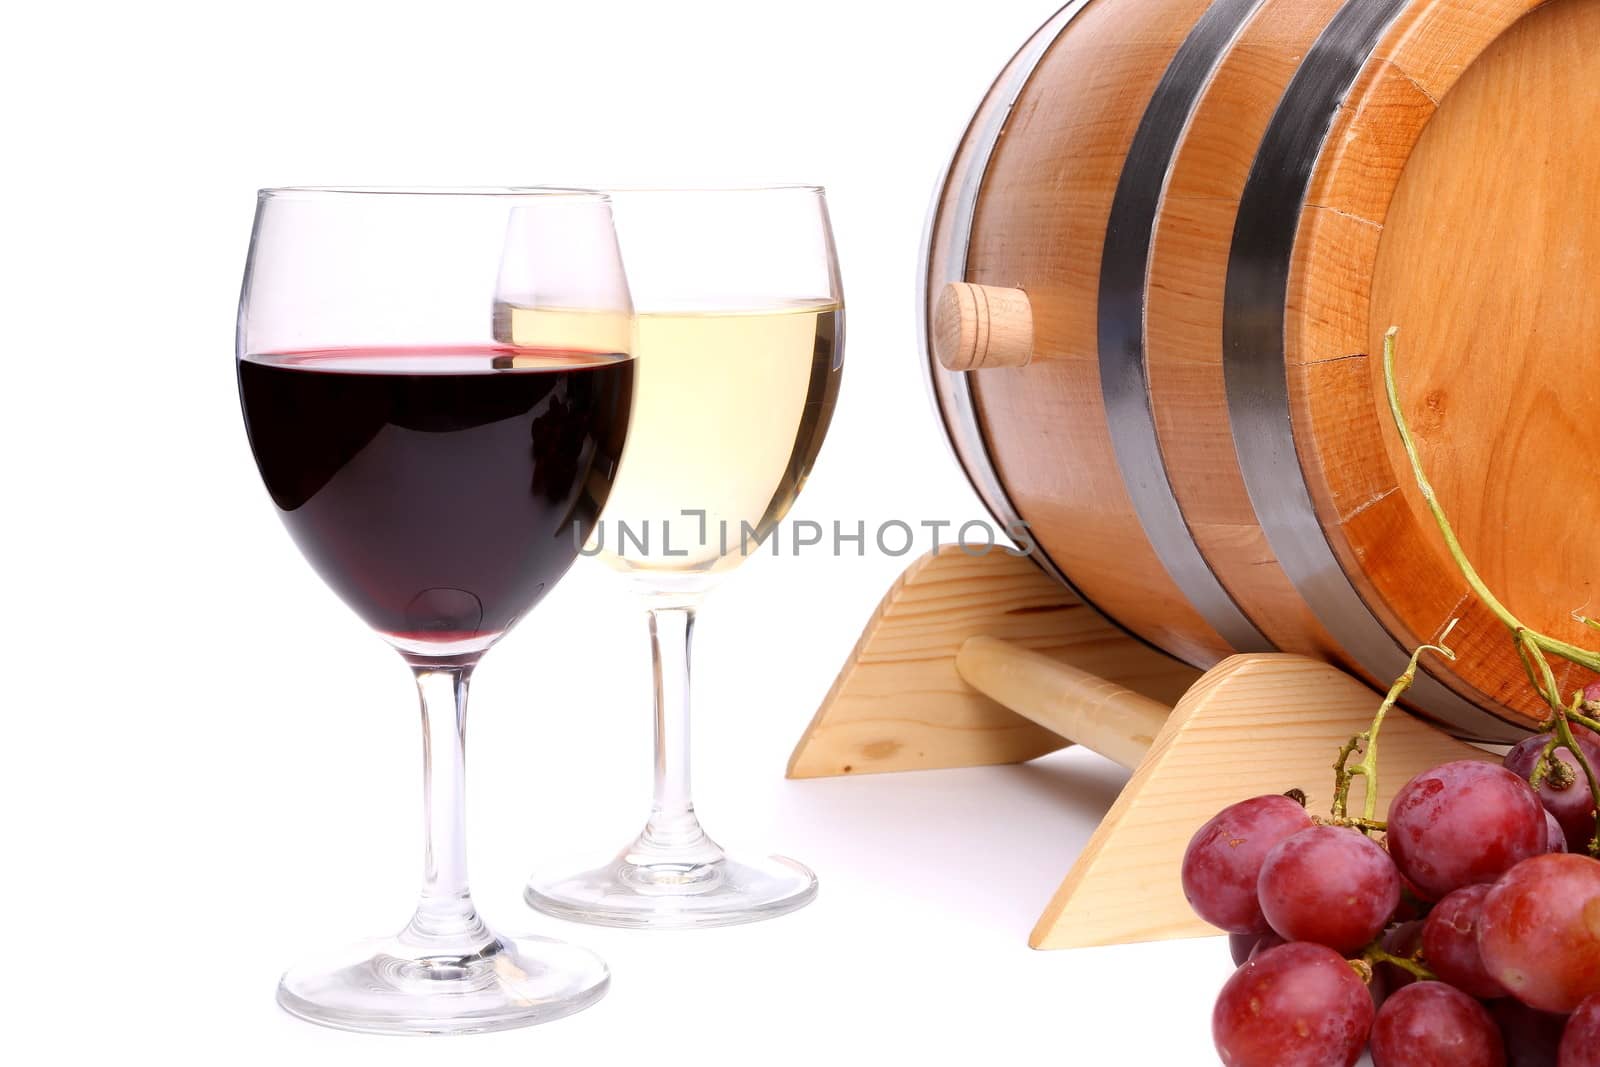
1163,262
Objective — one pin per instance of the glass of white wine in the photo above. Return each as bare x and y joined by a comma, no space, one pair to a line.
738,347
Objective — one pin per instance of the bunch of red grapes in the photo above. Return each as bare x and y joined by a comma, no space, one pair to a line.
1469,937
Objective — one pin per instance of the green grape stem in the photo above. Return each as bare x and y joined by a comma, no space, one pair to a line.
1533,647
1546,768
1375,953
1562,729
1367,741
1571,653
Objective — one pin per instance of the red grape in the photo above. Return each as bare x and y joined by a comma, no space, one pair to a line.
1430,1024
1223,861
1580,1043
1297,1005
1555,837
1591,698
1531,1036
1539,931
1463,823
1571,804
1248,946
1330,885
1450,943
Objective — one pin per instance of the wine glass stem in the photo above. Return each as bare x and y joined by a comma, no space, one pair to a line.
673,827
446,919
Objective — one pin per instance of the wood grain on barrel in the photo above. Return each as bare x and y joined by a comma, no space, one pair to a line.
1457,194
942,237
1040,226
1188,271
1460,199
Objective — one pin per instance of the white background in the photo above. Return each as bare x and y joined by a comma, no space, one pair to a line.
209,768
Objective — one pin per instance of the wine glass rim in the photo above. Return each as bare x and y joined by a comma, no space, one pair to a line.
512,192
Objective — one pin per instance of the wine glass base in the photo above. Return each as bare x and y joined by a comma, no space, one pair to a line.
386,987
676,896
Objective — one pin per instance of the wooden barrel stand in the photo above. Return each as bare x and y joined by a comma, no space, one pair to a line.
979,660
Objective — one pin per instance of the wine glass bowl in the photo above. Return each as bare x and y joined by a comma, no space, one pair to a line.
739,345
441,482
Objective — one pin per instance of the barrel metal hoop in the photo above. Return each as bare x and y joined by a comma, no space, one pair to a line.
1124,275
960,415
1256,372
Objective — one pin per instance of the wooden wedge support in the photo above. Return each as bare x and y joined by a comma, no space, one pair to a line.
1254,724
900,704
980,660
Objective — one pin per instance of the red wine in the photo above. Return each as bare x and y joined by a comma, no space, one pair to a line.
439,491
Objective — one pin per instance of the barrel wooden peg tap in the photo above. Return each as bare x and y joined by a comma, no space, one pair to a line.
981,326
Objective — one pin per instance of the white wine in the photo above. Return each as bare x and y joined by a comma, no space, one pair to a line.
730,409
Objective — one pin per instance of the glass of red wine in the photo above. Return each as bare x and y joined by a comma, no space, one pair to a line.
440,482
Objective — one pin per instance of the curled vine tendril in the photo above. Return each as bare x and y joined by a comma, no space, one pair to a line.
1533,647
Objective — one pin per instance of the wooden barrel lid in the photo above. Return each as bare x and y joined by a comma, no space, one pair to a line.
1466,210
